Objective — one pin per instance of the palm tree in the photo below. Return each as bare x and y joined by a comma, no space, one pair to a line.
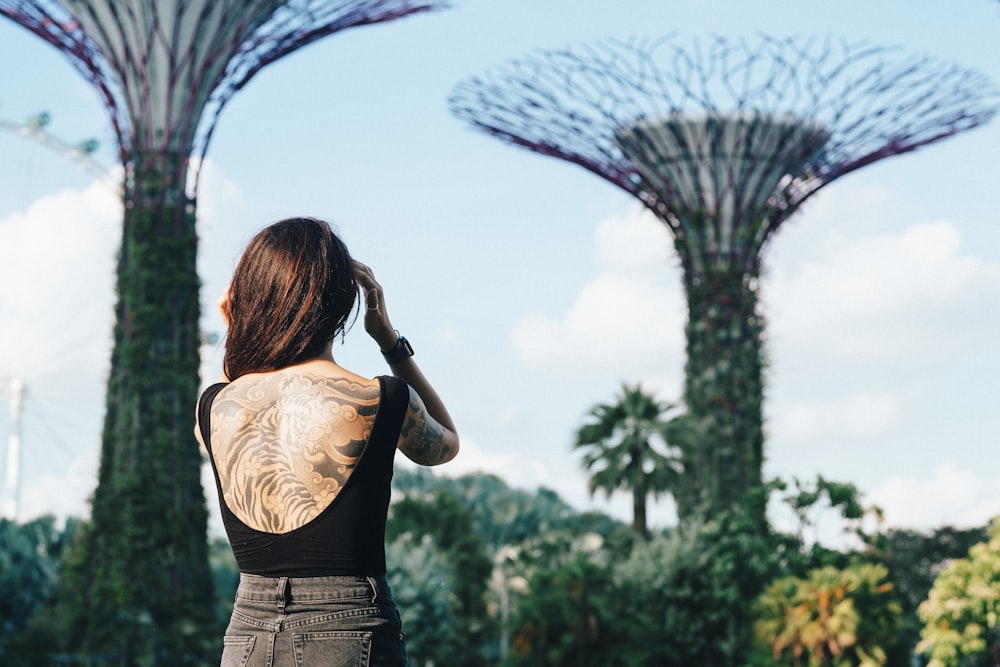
630,446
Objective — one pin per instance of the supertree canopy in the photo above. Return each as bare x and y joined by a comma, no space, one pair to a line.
723,141
164,69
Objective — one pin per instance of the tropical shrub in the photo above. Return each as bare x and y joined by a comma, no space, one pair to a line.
830,618
961,615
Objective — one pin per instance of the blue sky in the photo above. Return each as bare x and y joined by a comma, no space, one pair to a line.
530,288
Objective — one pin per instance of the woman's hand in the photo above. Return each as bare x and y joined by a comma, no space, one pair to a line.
377,322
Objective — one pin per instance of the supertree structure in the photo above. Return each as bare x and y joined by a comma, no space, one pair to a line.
164,69
723,140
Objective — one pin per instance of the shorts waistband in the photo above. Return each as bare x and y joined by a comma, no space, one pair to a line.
287,589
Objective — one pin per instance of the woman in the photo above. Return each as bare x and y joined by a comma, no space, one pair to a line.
302,451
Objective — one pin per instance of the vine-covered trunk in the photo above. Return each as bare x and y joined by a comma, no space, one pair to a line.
723,390
146,584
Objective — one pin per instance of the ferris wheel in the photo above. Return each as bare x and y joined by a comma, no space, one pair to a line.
81,152
13,388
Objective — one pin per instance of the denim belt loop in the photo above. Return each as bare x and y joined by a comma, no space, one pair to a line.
371,582
283,593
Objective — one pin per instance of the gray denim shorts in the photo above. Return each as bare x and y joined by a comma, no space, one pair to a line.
311,621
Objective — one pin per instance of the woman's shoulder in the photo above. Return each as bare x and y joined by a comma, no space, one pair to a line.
312,377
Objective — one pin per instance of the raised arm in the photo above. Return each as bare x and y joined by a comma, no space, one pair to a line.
428,436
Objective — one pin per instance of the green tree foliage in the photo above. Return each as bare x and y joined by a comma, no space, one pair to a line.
673,600
503,515
46,573
508,516
682,597
445,521
679,599
225,579
569,615
628,446
29,570
809,500
830,618
643,578
688,592
961,615
914,560
699,604
467,553
423,585
841,496
508,522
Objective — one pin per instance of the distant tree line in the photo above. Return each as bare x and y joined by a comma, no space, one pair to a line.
488,574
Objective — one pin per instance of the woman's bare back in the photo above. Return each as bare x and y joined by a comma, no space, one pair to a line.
286,442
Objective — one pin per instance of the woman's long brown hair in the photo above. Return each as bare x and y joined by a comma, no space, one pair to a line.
292,293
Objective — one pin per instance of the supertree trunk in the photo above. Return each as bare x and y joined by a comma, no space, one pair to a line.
724,391
141,557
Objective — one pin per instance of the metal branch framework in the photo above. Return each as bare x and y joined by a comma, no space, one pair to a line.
723,140
582,106
165,68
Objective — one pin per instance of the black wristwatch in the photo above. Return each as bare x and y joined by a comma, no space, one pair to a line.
401,350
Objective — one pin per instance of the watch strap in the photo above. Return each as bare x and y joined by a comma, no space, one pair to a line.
400,351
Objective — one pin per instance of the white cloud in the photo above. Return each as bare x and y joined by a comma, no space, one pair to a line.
446,334
56,298
633,242
910,296
473,458
627,320
221,205
224,227
57,265
857,414
945,495
875,323
61,490
56,282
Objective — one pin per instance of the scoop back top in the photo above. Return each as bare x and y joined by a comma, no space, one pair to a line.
348,536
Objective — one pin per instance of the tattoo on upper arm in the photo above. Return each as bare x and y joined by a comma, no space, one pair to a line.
422,437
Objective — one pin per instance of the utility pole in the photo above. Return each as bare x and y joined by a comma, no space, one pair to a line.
14,391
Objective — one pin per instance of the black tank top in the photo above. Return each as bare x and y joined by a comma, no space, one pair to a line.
348,537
